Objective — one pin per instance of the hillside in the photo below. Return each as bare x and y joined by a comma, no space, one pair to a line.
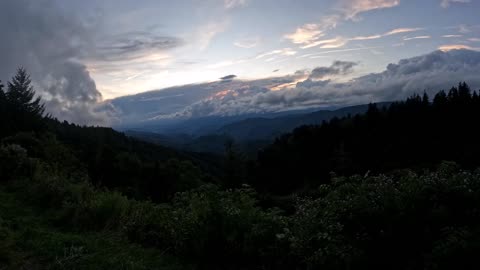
253,129
370,191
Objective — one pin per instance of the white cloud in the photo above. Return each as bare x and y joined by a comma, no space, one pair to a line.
351,8
284,52
402,30
230,4
417,37
208,32
247,43
327,43
306,34
446,3
309,35
452,36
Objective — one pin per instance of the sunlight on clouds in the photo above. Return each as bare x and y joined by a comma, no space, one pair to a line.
402,30
309,34
446,48
305,34
327,44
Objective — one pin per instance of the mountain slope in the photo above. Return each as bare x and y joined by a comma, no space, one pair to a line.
269,128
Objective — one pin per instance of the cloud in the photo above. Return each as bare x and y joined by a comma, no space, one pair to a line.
402,30
48,42
431,72
247,43
306,34
228,77
451,47
284,52
452,36
309,34
446,3
417,37
351,8
337,68
231,4
206,33
327,43
133,45
313,55
339,42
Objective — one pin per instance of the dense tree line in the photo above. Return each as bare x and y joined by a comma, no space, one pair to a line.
416,133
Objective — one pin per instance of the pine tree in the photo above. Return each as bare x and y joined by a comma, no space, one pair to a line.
464,92
425,99
2,94
440,99
21,95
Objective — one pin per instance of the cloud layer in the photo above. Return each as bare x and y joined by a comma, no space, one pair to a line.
315,88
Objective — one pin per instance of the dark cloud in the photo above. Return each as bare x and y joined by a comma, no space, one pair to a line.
48,42
228,77
276,70
308,83
132,45
337,68
53,41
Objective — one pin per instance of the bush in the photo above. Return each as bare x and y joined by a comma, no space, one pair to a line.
208,226
398,221
14,162
95,210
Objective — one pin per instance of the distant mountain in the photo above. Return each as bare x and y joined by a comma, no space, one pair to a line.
210,134
269,128
199,126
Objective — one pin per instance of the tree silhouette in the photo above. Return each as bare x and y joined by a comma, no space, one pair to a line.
21,95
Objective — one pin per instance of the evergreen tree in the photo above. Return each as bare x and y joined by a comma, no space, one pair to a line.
425,99
440,99
3,110
21,95
464,93
475,97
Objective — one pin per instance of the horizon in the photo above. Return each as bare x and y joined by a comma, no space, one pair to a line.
231,57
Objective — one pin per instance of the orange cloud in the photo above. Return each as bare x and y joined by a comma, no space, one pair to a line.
446,48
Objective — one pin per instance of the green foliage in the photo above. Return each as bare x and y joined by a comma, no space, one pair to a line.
14,162
399,221
210,227
88,198
412,134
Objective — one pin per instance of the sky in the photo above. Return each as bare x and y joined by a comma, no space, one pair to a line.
84,53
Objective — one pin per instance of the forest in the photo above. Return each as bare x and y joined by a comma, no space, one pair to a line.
397,187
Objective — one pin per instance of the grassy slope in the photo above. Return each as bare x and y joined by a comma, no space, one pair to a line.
29,240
